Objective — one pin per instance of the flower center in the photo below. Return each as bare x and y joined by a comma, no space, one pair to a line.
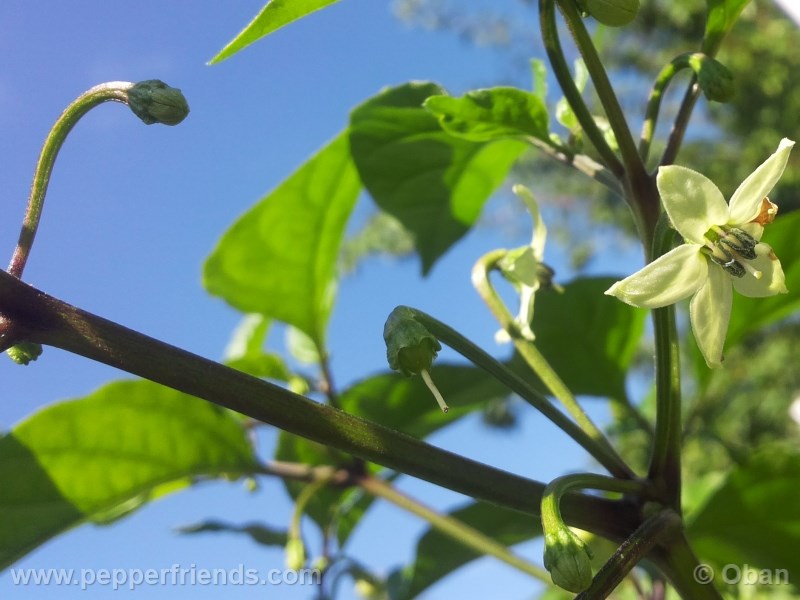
731,248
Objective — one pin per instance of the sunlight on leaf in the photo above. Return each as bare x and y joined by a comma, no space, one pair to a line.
99,457
279,258
274,15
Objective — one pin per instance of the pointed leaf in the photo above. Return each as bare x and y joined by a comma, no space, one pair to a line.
279,258
489,114
754,517
274,15
433,183
722,16
101,456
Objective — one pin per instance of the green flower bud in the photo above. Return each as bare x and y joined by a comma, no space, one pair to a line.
410,347
24,352
153,101
568,559
614,13
295,554
714,78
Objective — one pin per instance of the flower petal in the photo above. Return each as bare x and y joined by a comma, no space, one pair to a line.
710,313
746,200
692,202
672,277
539,230
772,279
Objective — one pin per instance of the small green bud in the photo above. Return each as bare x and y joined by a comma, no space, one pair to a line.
295,554
24,352
410,347
714,78
568,559
153,101
614,13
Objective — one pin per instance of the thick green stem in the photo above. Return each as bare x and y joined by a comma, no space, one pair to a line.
604,454
665,461
459,531
32,315
114,91
530,354
681,122
547,22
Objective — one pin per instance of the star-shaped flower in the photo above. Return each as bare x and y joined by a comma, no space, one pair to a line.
722,250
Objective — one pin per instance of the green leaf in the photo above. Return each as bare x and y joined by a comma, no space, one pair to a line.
279,258
245,350
564,114
539,77
754,517
274,15
438,555
99,457
722,16
405,404
260,534
590,339
433,183
489,114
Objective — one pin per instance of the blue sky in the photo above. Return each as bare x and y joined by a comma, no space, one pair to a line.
132,212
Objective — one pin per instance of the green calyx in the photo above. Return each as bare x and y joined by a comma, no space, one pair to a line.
24,352
568,559
410,347
714,78
153,101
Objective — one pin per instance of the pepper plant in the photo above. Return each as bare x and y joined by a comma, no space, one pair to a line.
431,161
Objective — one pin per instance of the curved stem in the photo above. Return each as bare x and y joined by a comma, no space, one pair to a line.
582,163
556,489
660,85
547,22
528,351
605,455
602,85
43,319
114,91
681,122
459,531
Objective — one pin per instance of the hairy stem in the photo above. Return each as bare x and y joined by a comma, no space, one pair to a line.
114,91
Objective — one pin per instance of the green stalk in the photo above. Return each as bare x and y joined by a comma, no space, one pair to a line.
603,453
459,531
547,22
35,316
152,101
616,117
528,351
114,91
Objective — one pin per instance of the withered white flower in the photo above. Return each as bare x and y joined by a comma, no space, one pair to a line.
722,250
